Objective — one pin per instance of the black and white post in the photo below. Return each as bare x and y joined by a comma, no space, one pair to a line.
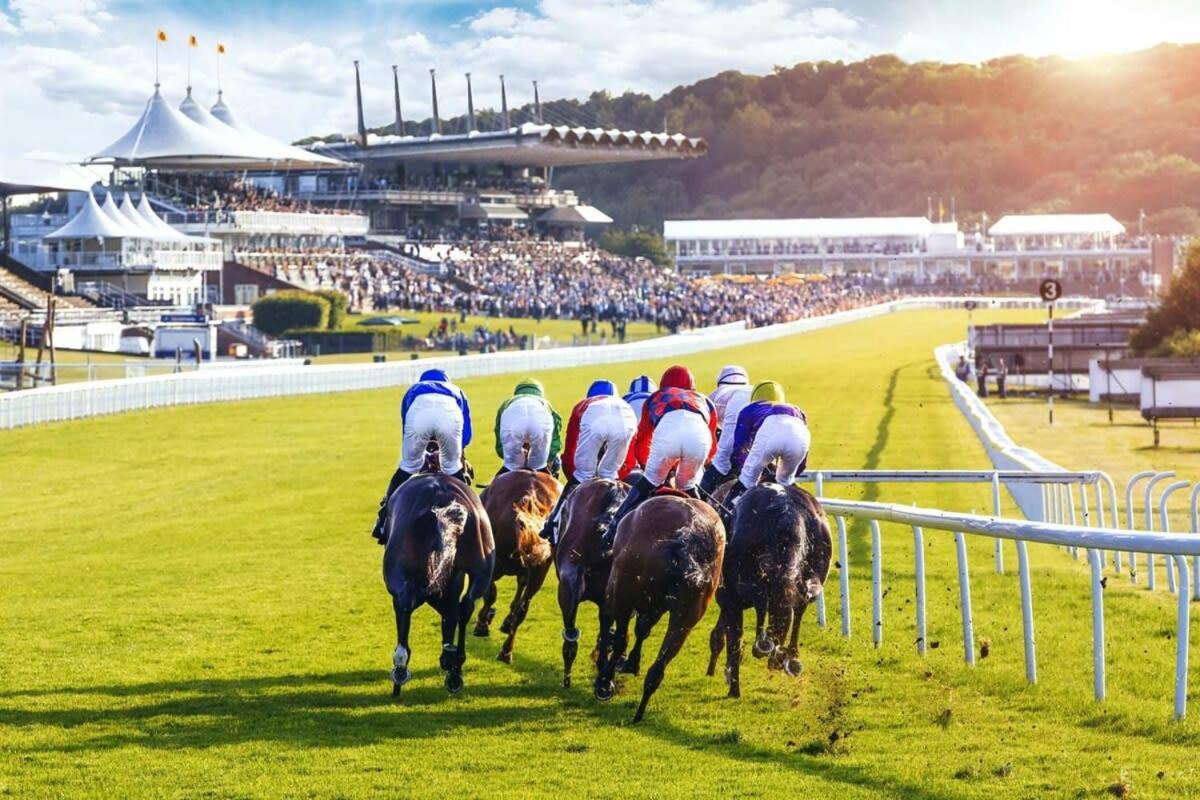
1050,291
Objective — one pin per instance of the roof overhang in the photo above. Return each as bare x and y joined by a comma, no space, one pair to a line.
526,146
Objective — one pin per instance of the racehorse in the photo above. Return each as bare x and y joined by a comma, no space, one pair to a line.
666,560
517,504
776,562
439,550
578,558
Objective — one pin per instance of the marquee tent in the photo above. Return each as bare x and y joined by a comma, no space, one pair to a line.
191,138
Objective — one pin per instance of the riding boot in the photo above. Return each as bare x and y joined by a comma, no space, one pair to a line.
380,530
639,492
734,493
693,492
462,476
713,478
550,529
501,471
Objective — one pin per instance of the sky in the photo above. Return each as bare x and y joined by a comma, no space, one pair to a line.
74,74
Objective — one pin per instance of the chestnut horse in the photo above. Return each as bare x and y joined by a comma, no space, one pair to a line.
517,504
776,562
439,550
578,558
666,560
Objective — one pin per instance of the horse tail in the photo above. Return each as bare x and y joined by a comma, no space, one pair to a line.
448,524
818,545
691,557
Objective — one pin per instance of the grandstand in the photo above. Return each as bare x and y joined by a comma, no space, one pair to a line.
1091,251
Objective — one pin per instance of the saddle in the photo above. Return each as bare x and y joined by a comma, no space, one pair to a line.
669,491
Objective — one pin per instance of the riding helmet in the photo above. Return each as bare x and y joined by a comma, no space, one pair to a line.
642,383
602,389
678,377
435,375
733,374
768,391
530,386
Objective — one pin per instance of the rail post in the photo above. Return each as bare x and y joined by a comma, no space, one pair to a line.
1149,508
997,512
1027,612
1164,521
919,571
844,575
876,583
1195,499
1129,515
964,598
1182,635
821,596
1097,623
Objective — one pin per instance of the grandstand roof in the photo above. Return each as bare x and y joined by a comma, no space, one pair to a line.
811,228
111,221
499,211
92,222
34,175
191,138
575,215
1056,225
527,145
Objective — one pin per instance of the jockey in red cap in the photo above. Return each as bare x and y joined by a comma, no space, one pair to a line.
677,431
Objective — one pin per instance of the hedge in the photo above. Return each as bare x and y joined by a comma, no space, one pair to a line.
280,312
338,303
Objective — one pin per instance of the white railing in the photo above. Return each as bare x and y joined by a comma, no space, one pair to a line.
294,222
1176,548
57,403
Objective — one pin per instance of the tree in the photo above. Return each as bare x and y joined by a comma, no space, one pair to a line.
1179,310
636,243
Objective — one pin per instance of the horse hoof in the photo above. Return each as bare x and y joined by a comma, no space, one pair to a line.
482,631
400,678
793,667
454,682
504,657
735,691
566,681
763,648
506,626
631,668
604,691
395,690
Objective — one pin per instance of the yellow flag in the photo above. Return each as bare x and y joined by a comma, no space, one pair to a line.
162,35
221,49
192,41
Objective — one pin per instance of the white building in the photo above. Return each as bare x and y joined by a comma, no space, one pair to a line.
1020,247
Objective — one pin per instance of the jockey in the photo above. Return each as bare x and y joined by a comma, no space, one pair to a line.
677,430
640,389
769,429
733,398
600,422
433,409
528,429
732,381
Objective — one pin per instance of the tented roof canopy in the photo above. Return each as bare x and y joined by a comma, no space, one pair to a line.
32,175
814,228
1057,225
90,223
124,221
192,138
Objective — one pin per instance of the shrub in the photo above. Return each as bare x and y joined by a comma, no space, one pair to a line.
1183,343
632,244
338,303
280,312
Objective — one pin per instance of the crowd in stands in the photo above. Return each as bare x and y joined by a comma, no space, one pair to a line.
220,193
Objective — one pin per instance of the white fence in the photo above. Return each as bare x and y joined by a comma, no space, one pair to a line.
76,401
1095,540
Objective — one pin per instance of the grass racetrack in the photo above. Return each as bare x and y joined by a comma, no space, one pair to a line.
192,607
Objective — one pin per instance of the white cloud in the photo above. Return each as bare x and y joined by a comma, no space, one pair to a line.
6,24
414,45
73,79
86,17
301,69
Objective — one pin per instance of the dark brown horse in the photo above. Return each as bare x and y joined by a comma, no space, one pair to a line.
517,504
582,569
776,562
439,550
666,560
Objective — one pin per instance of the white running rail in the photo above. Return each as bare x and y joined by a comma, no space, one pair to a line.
1093,539
76,401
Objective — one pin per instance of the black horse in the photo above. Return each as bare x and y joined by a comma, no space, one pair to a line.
440,551
776,562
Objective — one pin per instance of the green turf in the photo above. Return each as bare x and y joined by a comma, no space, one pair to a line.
556,332
1083,438
192,607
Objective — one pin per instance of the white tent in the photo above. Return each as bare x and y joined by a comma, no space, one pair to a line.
138,222
155,221
90,223
110,208
170,138
285,152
